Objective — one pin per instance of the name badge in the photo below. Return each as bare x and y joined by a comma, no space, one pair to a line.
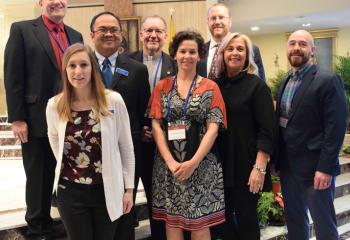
176,132
122,72
283,122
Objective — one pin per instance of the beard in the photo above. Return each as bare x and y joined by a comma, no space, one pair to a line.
298,59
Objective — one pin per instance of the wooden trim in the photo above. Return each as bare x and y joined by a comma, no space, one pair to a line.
135,2
86,5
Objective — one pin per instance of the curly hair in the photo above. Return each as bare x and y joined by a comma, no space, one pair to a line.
187,35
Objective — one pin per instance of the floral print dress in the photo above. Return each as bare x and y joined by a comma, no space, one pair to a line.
82,161
197,202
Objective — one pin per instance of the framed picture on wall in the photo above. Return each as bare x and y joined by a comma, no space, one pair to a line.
131,27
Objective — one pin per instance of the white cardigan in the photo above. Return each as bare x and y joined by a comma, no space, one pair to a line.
118,159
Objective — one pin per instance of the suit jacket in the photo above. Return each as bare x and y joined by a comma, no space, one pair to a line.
316,126
168,64
135,91
117,150
202,66
31,73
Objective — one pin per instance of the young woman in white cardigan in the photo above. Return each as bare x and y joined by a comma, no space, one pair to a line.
89,133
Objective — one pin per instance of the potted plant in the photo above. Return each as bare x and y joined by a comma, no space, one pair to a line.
276,184
342,67
269,210
275,82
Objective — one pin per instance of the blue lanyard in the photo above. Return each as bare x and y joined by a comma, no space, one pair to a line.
58,43
156,74
186,101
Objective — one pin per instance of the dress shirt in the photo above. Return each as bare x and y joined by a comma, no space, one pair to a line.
291,88
152,63
211,53
112,59
58,31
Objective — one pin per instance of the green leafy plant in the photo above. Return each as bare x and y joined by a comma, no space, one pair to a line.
275,82
275,178
346,149
269,209
342,67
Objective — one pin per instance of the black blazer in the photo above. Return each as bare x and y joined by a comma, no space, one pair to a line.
168,64
202,66
316,126
134,89
31,73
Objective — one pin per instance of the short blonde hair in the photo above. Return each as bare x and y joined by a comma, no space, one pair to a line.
249,66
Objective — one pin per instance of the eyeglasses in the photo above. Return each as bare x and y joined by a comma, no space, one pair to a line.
219,18
149,31
105,30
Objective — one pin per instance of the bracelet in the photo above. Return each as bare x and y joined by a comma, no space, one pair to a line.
261,170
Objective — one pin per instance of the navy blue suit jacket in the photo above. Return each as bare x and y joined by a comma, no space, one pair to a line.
316,126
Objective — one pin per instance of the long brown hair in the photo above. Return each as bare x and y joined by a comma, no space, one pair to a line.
64,99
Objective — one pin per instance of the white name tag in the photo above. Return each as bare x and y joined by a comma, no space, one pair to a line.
176,132
283,122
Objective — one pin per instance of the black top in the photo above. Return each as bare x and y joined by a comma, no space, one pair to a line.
250,124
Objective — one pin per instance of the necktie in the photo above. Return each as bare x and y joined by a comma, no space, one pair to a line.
107,72
61,43
212,72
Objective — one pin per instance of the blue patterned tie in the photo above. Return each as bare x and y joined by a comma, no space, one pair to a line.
107,72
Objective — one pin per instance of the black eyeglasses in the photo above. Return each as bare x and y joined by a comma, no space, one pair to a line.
105,30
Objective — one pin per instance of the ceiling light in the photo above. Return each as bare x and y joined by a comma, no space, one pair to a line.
306,24
254,28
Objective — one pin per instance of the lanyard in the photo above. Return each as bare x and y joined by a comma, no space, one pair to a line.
58,43
187,97
156,74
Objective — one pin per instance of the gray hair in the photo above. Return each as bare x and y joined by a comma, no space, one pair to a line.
154,17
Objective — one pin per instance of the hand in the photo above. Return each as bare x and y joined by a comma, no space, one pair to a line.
127,201
185,170
322,180
20,130
256,181
173,166
147,134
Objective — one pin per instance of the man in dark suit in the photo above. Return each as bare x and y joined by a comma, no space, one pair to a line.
312,118
129,78
159,64
219,24
32,75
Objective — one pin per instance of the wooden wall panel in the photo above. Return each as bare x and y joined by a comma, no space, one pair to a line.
187,15
79,18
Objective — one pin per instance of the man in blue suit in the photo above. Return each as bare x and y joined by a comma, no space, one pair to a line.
312,117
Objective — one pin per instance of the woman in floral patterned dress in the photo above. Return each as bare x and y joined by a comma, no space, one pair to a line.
89,133
187,111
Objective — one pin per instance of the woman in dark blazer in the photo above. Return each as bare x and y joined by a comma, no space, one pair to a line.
247,144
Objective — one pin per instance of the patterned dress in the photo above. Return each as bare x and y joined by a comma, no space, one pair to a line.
197,202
